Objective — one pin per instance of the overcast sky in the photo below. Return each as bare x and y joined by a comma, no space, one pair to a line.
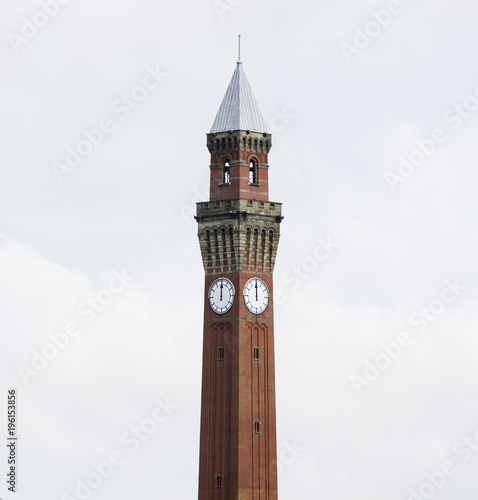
373,107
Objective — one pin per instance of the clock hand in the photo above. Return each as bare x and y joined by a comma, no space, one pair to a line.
256,292
221,293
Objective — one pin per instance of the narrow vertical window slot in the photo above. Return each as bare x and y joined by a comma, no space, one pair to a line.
219,481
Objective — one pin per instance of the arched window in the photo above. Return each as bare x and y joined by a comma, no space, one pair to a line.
253,172
226,173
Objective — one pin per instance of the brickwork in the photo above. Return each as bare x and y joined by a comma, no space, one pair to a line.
239,231
238,390
239,235
239,148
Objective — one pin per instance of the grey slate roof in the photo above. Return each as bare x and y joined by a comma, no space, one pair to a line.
239,109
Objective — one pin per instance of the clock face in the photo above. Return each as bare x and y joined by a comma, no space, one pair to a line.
221,296
256,296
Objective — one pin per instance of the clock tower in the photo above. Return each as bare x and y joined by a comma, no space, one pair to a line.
238,231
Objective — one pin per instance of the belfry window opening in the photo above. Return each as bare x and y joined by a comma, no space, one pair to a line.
253,172
226,178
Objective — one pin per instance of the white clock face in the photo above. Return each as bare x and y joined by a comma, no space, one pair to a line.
256,296
221,295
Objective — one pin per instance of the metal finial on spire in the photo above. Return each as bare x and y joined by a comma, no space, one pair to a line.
239,50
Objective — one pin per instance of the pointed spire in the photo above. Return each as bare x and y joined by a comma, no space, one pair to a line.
239,109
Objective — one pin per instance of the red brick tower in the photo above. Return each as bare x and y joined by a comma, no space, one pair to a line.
238,231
